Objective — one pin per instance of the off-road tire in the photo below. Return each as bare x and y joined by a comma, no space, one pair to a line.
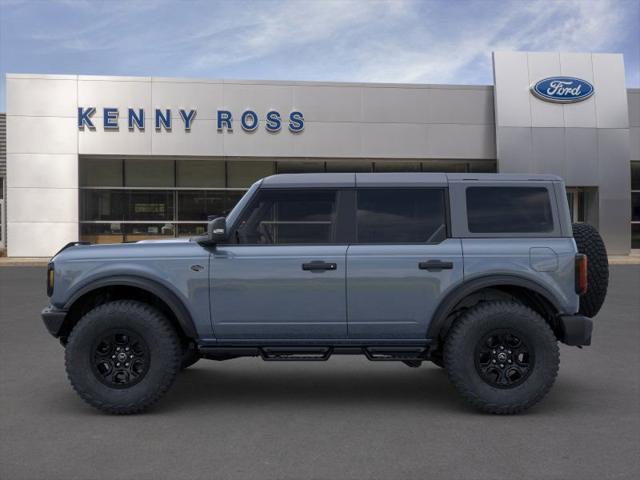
589,242
147,323
469,331
436,359
189,356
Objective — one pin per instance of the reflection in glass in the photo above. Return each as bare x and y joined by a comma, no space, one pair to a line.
149,173
101,232
102,204
191,229
148,231
200,173
150,205
200,204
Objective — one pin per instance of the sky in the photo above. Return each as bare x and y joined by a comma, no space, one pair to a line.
403,41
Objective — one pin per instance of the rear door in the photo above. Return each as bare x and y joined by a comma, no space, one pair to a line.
401,263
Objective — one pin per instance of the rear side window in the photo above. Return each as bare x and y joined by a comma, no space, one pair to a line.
388,215
509,210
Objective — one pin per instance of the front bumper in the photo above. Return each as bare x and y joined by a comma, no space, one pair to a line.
575,330
53,319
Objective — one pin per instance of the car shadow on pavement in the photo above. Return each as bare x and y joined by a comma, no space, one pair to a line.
218,387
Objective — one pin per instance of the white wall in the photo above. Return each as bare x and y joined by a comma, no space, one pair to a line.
42,164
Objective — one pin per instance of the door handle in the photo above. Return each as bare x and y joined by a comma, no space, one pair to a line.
435,265
319,266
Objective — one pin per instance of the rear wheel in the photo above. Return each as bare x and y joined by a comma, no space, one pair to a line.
502,357
589,242
122,356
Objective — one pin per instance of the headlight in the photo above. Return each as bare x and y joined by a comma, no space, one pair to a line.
50,278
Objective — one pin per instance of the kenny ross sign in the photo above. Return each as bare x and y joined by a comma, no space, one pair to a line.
162,119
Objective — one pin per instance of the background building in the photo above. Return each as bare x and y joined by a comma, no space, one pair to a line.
111,159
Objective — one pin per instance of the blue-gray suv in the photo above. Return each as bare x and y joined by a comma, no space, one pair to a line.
482,274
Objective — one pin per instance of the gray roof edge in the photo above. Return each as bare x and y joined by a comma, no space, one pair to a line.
398,179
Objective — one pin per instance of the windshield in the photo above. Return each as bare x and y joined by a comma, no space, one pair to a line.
233,214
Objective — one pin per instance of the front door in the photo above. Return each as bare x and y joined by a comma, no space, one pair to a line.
401,264
284,276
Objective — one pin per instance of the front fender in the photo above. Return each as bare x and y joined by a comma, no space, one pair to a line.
171,298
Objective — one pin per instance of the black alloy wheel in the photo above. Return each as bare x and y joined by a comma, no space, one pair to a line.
503,359
120,358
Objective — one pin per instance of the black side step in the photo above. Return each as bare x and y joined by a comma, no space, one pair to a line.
394,354
291,354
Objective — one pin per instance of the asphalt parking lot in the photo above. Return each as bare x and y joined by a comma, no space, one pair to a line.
347,418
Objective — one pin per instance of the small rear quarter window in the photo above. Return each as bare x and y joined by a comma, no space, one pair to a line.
509,210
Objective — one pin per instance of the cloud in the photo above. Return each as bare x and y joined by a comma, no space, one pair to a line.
290,25
571,25
435,41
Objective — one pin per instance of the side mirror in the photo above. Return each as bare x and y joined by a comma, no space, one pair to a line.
217,230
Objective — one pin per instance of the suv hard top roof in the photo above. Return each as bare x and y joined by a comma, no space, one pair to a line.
290,180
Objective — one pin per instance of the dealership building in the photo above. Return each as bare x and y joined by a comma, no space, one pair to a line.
113,159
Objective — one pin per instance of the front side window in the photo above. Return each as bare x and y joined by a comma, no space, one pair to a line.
391,215
509,210
289,217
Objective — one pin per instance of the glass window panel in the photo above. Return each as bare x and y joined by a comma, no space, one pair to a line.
150,205
134,232
285,166
244,174
101,232
200,204
483,166
200,173
391,166
290,216
635,206
191,229
635,235
338,166
401,215
149,173
635,175
509,210
102,205
444,166
101,172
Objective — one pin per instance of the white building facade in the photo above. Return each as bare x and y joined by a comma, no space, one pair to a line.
112,159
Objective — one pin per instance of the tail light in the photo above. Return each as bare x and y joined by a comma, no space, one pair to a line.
50,279
581,274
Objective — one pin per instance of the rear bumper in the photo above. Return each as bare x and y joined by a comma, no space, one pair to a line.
575,330
53,319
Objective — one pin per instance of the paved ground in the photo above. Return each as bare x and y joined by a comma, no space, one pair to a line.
347,418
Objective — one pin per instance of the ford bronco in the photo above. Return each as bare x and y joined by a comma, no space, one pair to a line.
482,274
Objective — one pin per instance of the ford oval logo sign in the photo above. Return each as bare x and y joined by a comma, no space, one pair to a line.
562,89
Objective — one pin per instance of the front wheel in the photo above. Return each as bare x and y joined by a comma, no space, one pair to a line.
502,357
122,356
190,356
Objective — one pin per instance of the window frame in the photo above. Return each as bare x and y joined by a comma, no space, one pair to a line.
344,201
447,214
460,225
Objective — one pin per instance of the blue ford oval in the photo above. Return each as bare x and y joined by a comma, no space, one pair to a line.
562,89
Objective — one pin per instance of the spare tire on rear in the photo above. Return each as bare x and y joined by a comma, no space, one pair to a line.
589,242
